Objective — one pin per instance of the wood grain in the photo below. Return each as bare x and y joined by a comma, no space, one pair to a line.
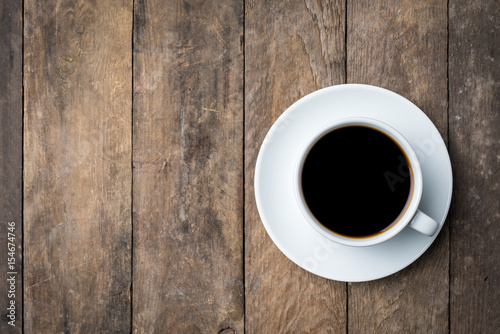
475,150
401,46
77,166
291,49
188,175
209,79
11,144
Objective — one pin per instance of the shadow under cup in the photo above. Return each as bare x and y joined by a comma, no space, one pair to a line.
355,180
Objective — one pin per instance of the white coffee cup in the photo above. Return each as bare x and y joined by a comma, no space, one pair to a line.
412,217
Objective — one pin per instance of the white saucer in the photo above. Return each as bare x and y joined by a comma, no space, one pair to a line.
277,205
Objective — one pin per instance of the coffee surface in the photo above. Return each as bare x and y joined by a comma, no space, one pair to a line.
356,181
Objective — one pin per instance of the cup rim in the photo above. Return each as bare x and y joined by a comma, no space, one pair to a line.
411,208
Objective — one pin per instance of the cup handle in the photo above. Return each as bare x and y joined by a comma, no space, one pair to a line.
424,224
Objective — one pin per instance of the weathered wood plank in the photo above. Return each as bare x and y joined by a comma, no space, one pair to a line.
77,166
402,47
11,143
475,150
188,176
291,49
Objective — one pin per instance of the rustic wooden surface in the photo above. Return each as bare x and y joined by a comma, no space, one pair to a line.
188,175
402,47
77,170
291,49
11,157
475,149
132,167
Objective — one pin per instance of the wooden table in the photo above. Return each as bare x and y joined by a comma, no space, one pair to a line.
128,137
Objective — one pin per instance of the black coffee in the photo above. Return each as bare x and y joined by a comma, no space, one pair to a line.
356,181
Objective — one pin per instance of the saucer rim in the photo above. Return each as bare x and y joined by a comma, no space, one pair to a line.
268,137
